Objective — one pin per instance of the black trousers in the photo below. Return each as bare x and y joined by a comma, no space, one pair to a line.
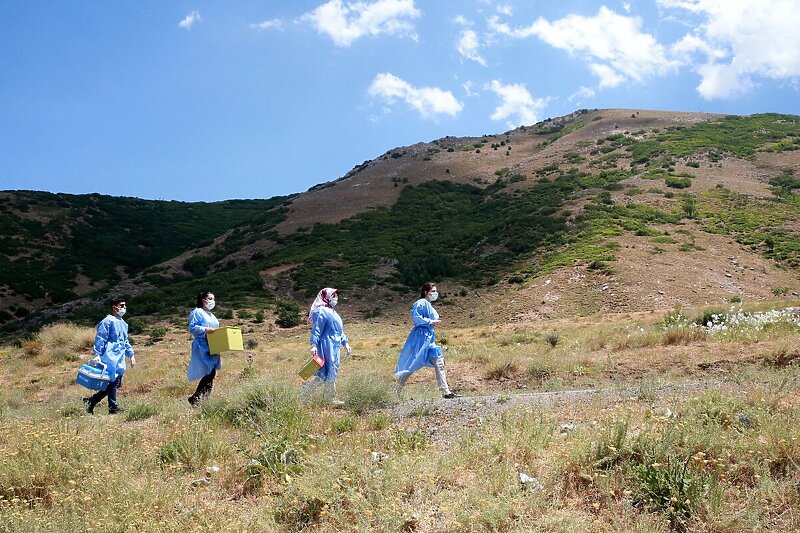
205,385
111,392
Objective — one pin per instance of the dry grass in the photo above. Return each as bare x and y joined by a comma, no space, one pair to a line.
287,466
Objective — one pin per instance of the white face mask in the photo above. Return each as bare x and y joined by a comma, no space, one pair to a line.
334,301
433,296
210,304
121,312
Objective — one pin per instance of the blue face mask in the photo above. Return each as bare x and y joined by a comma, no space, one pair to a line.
433,296
210,304
334,301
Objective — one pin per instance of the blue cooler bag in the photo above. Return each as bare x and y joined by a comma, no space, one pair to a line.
93,377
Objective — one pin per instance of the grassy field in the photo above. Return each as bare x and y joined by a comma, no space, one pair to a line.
667,426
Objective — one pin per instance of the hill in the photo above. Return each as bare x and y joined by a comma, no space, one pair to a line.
631,418
597,211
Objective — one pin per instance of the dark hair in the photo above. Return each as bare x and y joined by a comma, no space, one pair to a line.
115,301
426,287
202,296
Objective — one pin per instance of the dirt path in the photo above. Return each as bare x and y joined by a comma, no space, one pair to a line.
443,421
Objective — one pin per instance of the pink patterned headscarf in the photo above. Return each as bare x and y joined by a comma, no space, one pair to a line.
323,299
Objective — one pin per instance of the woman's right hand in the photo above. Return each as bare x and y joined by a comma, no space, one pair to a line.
209,330
435,322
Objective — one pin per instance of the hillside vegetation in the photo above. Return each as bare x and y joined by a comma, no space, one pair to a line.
494,212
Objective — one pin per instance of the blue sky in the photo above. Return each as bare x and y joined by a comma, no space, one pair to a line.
204,101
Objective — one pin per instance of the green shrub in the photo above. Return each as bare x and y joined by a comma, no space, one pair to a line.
288,314
672,488
141,411
365,392
609,450
552,339
401,440
136,326
377,421
265,406
244,314
689,206
279,457
250,343
345,424
191,448
157,333
678,183
503,367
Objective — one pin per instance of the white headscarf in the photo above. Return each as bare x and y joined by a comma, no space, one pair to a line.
323,299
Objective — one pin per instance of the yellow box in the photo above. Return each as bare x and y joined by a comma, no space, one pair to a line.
225,340
311,367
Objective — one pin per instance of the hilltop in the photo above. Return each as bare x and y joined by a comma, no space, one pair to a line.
599,211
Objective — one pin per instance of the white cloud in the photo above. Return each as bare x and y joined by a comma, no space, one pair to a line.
614,46
722,81
468,89
190,20
276,24
626,6
518,102
428,101
460,20
505,10
345,23
468,46
607,75
583,92
739,40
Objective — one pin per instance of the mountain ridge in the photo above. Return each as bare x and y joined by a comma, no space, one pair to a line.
597,197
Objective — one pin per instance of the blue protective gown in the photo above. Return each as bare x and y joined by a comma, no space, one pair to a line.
202,362
420,348
111,344
327,334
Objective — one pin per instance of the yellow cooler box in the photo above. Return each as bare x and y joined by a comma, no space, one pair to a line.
225,340
311,366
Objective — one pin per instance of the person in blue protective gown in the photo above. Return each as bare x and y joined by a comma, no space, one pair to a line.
327,338
420,349
111,347
202,365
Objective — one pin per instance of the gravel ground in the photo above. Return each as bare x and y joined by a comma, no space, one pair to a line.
443,421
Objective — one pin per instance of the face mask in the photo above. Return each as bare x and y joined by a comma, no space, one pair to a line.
433,296
210,304
121,312
334,301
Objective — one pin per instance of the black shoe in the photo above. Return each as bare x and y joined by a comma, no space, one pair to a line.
192,401
116,411
451,395
89,405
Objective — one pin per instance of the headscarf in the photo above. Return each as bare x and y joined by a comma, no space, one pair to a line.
323,299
